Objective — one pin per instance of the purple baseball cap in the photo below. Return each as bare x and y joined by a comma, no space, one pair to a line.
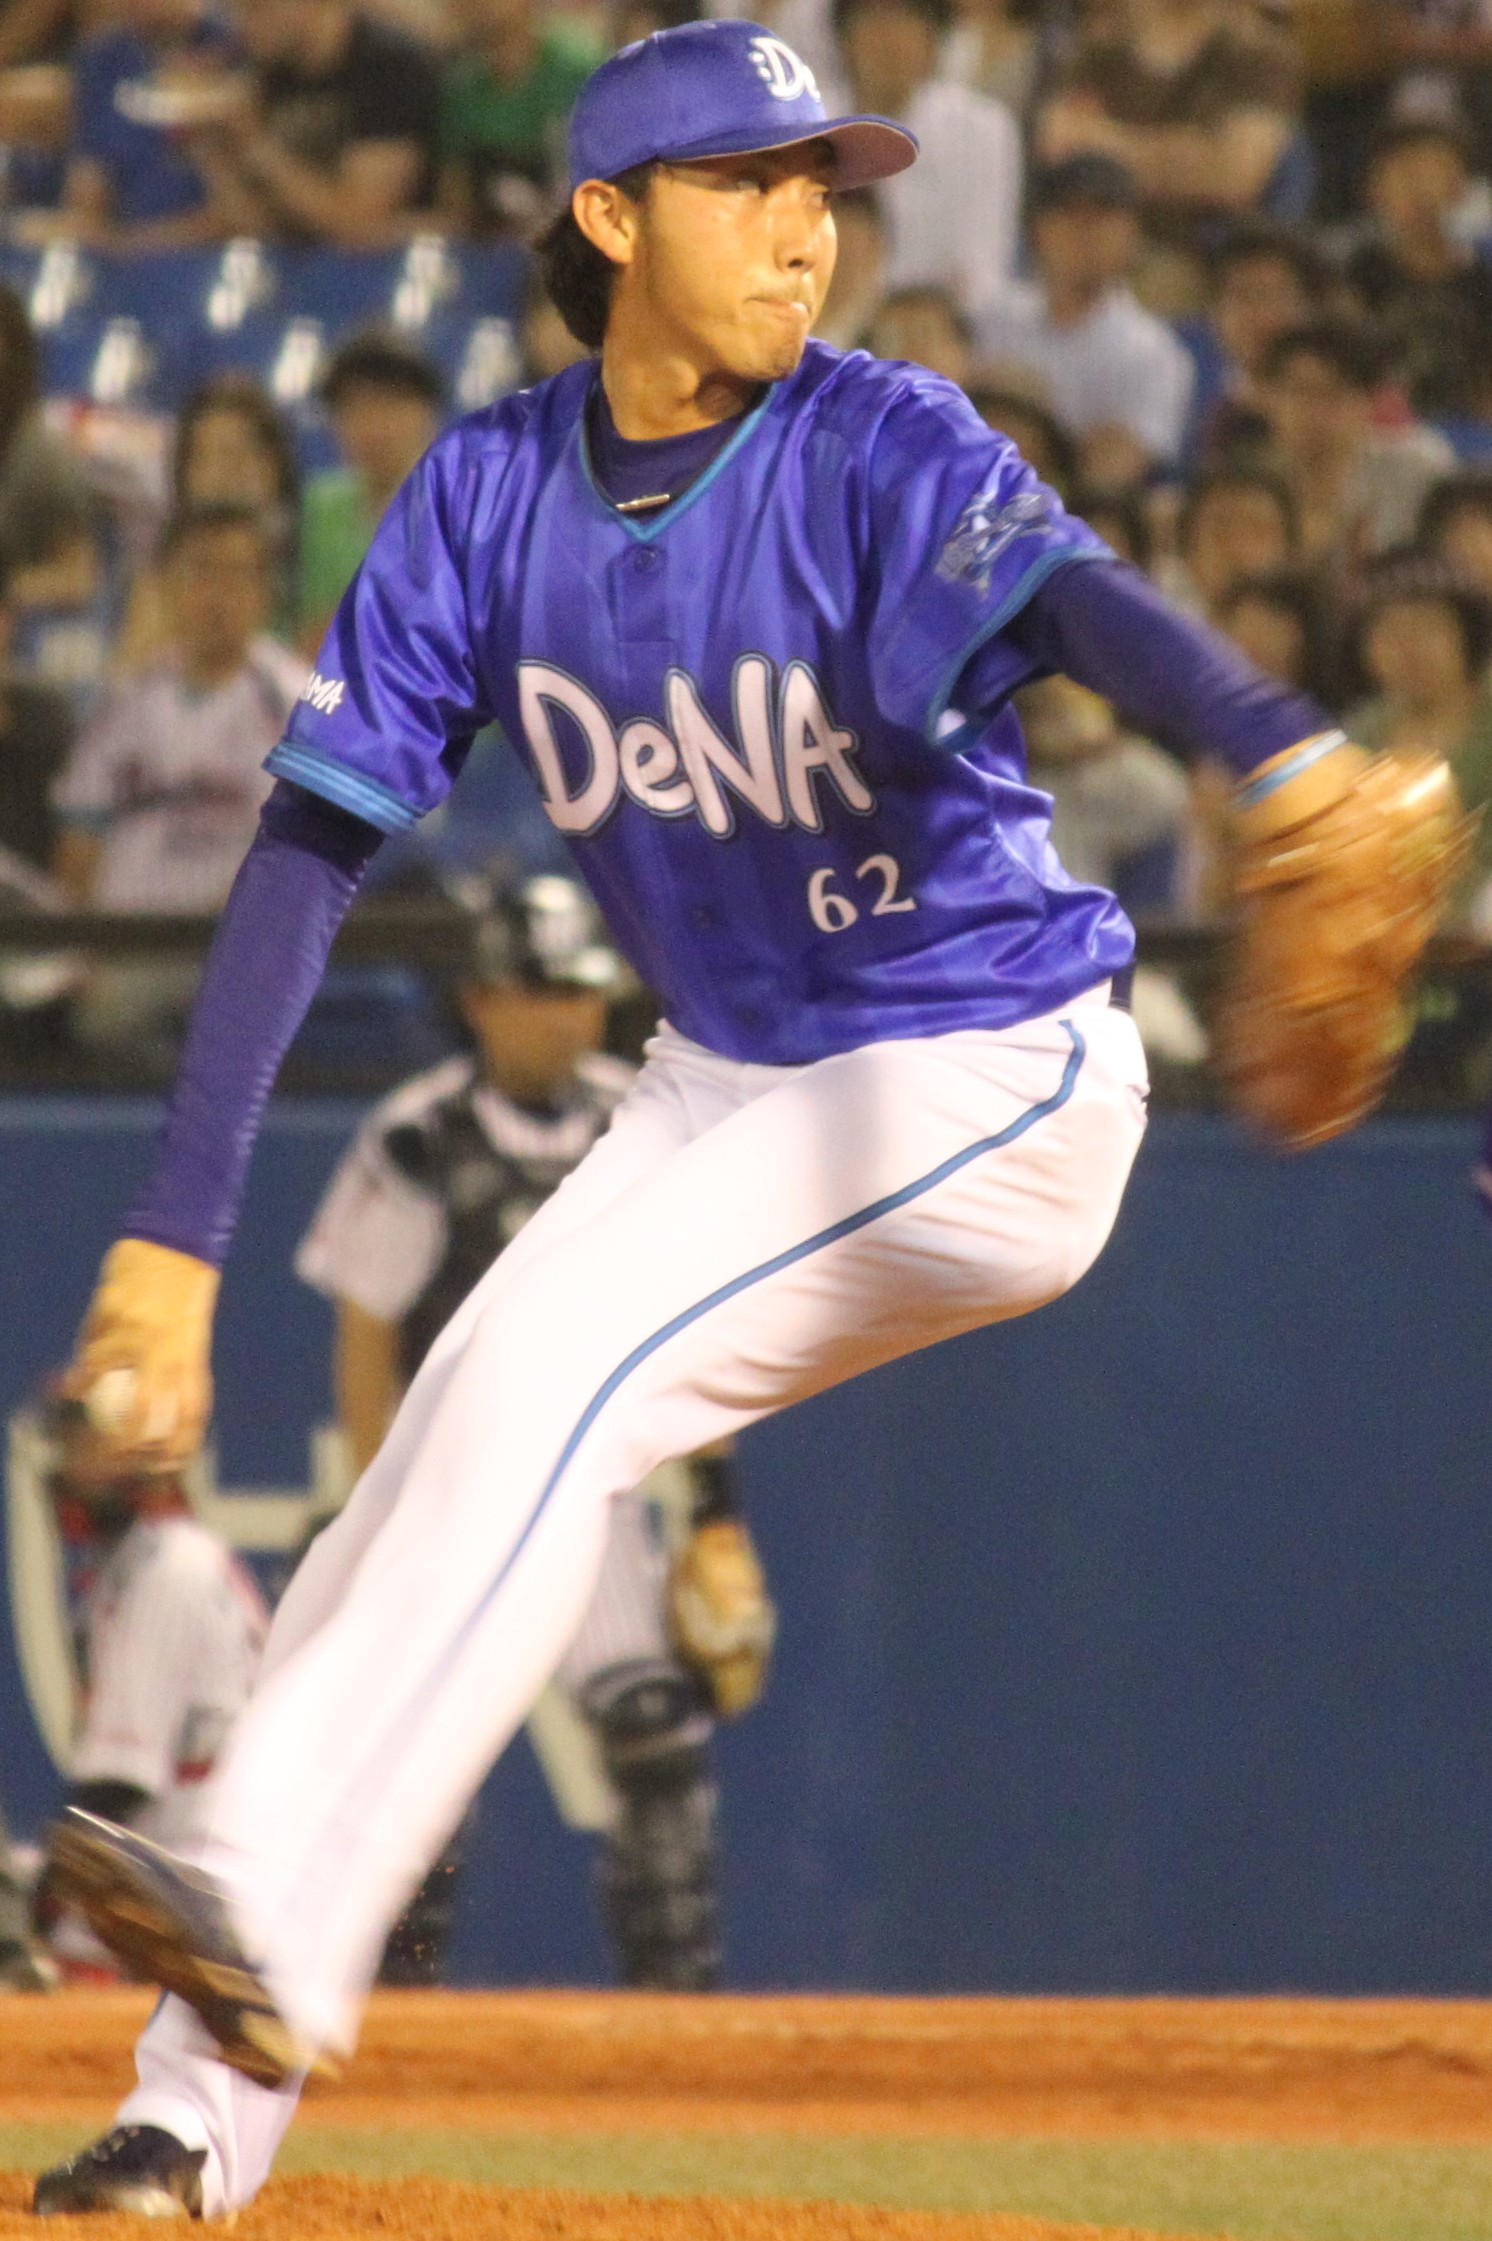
721,88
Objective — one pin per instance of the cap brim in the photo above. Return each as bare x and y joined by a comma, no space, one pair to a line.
866,148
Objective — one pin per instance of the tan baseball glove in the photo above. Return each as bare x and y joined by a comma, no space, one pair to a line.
1344,862
722,1617
141,1374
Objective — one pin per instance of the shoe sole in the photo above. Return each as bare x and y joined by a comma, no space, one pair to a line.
124,1906
138,2199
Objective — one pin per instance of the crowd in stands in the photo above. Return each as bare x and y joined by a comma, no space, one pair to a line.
1224,273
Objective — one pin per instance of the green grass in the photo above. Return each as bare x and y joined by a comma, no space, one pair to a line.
1256,2192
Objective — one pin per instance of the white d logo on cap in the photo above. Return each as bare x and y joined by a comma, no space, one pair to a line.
784,74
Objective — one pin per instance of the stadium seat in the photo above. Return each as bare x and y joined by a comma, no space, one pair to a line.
145,330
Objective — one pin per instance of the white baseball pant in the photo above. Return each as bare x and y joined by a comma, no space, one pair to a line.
743,1237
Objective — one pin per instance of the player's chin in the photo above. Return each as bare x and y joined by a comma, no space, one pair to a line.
775,357
775,343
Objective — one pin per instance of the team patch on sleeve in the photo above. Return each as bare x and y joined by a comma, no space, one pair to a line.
986,530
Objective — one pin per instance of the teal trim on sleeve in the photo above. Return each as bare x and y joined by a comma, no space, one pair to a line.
1021,592
349,789
1255,790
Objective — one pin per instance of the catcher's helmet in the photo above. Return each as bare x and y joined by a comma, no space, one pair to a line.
544,932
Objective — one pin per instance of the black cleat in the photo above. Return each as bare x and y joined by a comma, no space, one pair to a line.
167,1923
136,2168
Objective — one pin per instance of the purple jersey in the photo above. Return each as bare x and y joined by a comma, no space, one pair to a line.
743,712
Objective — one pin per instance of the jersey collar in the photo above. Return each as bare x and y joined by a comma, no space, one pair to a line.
643,532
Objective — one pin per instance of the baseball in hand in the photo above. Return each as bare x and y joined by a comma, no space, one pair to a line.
110,1399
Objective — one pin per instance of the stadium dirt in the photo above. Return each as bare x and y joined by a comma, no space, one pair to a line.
479,2071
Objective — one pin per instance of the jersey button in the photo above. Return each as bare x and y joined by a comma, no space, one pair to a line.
645,560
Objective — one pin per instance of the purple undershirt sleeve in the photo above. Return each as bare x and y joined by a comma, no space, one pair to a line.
266,962
1173,678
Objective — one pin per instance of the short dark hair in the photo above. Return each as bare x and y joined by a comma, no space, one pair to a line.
1127,510
377,359
1297,594
245,395
666,15
579,276
936,14
1469,492
1351,347
995,404
934,294
20,366
202,521
1418,132
1239,474
1406,574
1082,182
1255,240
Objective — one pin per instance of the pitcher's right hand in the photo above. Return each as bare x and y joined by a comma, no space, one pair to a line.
141,1375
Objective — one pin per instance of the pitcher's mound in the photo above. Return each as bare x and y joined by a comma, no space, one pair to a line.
345,2209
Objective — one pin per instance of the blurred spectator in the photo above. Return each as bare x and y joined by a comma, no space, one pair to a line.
384,399
1234,522
1427,287
1278,620
1115,798
331,135
1199,99
926,326
1115,375
953,218
995,47
1444,48
639,19
232,448
503,113
1264,278
51,529
37,31
36,735
132,182
859,269
1358,487
36,117
1038,435
1422,640
1458,404
1457,525
162,794
170,1627
1120,518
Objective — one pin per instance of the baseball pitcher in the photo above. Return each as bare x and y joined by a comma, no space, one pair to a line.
754,610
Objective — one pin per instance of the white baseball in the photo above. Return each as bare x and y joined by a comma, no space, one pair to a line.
111,1398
